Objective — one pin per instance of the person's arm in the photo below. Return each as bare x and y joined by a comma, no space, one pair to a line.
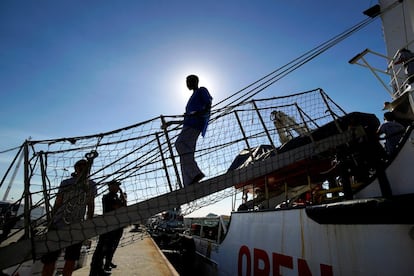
58,203
206,102
91,207
379,130
169,123
91,201
122,197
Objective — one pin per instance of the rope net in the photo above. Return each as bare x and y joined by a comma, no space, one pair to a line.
143,157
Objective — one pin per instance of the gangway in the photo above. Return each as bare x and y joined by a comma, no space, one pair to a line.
143,159
139,212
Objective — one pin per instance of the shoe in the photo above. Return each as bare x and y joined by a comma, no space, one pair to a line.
103,272
112,265
107,269
197,178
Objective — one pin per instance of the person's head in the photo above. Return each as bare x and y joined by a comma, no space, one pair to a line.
192,82
114,186
80,165
389,116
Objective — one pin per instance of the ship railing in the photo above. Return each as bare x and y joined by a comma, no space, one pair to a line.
212,228
400,81
361,59
397,82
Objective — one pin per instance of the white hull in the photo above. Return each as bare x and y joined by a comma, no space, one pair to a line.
364,241
290,243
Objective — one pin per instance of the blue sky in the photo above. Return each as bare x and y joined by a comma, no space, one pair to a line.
72,68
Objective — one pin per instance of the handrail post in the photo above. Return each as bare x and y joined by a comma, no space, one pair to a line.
164,163
304,122
27,201
45,188
244,135
263,124
330,111
171,152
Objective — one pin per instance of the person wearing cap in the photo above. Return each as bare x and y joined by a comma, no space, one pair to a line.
108,242
402,112
74,199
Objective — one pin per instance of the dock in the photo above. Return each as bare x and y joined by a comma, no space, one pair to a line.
137,255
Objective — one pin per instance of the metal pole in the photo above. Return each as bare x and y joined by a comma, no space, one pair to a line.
27,201
171,152
45,188
267,192
163,161
263,124
286,193
330,111
6,194
244,135
304,121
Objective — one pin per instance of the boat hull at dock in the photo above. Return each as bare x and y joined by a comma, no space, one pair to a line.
289,242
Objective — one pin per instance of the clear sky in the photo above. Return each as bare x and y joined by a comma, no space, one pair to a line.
75,67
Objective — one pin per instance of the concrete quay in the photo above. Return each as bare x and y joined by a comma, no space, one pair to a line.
137,255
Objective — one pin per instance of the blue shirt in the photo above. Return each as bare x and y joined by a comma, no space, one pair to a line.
197,111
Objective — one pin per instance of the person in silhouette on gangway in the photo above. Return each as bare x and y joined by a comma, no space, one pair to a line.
196,116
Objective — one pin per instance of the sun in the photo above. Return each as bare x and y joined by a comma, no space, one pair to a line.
207,79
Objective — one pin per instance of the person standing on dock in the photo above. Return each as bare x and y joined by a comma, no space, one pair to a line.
196,116
108,242
75,195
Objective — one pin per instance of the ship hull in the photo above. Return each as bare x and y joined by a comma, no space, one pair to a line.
289,242
371,234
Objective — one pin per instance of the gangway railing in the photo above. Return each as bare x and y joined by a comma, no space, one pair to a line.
142,157
37,246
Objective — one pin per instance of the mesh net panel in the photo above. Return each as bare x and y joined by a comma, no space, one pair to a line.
143,157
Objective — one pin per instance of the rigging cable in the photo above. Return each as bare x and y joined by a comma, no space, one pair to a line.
286,69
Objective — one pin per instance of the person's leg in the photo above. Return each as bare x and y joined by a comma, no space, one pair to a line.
49,263
97,257
185,146
69,267
72,254
48,269
109,250
116,238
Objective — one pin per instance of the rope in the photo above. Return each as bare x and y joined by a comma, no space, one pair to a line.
296,63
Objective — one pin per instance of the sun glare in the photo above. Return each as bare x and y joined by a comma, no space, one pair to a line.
205,75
